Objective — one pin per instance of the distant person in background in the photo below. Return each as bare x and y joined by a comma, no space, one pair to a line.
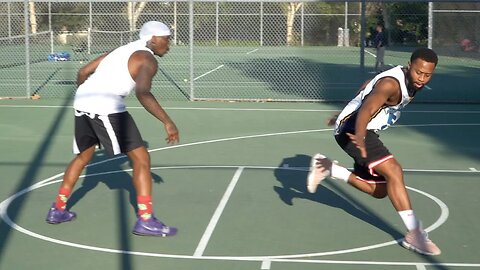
380,42
101,117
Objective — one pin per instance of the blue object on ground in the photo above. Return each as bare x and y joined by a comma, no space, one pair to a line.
59,56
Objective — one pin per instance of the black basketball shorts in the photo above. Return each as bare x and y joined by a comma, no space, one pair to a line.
377,153
116,133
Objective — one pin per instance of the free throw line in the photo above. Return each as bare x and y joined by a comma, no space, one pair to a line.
216,216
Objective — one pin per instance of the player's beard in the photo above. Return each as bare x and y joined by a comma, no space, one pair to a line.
411,83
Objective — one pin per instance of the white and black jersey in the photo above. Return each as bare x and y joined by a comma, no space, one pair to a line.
386,116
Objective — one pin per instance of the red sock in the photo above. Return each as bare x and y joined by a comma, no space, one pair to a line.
145,208
62,198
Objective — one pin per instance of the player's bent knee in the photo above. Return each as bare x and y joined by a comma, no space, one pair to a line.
379,195
380,191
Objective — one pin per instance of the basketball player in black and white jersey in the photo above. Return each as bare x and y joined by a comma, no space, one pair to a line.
101,117
376,172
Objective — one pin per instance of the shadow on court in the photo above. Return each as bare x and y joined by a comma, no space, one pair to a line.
318,79
31,172
120,182
329,79
293,185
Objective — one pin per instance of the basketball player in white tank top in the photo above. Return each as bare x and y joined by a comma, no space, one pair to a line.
101,117
376,172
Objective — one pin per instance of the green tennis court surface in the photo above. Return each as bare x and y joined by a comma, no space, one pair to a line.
235,188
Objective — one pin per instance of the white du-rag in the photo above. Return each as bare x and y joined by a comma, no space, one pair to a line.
154,28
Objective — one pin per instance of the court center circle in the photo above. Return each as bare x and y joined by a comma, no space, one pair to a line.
5,204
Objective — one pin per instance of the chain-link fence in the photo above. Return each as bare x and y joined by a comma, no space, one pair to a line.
242,50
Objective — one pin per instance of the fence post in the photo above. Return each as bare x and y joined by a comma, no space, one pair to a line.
216,23
302,24
261,23
346,37
362,35
430,24
190,22
26,14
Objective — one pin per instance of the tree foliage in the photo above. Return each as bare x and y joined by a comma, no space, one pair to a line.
405,22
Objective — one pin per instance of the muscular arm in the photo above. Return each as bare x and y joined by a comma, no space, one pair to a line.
143,66
385,92
89,69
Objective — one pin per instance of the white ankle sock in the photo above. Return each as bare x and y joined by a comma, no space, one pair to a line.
339,172
409,219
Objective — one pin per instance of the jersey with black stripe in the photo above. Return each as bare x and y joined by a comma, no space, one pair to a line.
104,91
386,116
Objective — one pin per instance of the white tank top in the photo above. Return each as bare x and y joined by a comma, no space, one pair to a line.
104,91
385,117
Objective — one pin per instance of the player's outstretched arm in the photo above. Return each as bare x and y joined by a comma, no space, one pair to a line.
143,67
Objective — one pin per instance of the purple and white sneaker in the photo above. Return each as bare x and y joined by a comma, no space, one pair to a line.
153,227
56,216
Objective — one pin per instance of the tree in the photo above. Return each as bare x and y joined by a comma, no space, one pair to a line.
33,17
290,9
133,12
64,20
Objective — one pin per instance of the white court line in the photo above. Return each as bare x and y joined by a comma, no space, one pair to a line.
205,74
473,169
239,109
265,135
377,263
420,267
219,67
55,178
266,265
372,54
4,205
437,125
216,216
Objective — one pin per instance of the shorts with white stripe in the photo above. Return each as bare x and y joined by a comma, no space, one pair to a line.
376,154
116,133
